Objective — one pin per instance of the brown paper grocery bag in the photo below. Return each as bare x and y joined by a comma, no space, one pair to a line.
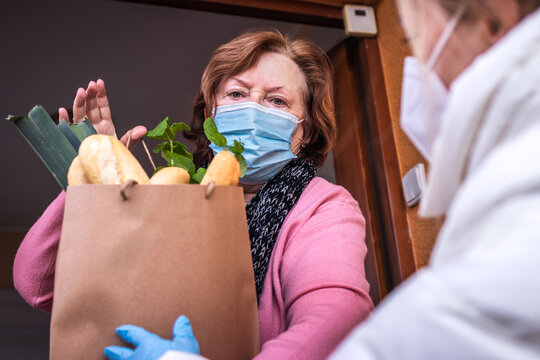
165,251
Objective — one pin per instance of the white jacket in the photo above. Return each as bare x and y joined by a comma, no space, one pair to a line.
479,298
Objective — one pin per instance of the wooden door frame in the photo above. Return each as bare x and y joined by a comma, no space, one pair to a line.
380,193
392,216
282,10
322,13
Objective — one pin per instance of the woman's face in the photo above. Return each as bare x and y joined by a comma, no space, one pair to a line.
425,20
275,82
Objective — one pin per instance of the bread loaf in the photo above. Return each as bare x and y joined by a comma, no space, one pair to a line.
105,160
76,175
223,170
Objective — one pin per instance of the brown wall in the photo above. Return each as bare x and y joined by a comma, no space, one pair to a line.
393,49
9,242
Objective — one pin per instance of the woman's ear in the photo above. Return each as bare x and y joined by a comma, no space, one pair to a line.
209,111
504,15
495,27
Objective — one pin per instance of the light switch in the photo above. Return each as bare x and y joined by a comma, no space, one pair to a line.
414,183
359,20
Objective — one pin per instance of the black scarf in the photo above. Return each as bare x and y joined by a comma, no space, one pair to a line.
268,209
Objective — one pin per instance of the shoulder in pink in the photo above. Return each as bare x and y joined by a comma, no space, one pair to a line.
33,269
315,290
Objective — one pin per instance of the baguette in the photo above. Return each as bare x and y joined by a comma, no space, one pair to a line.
76,174
105,160
223,170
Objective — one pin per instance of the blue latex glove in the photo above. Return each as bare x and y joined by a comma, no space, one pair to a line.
149,346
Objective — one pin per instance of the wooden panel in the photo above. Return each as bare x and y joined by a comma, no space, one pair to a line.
283,10
386,164
393,49
352,167
9,243
343,2
366,160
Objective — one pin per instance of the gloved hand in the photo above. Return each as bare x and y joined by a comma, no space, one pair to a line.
149,346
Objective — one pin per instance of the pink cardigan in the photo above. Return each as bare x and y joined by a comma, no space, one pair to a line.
315,290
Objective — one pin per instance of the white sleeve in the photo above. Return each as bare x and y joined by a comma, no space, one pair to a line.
482,305
424,320
180,355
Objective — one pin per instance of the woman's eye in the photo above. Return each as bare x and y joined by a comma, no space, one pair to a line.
235,94
278,101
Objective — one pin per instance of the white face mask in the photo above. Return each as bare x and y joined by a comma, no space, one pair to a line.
424,95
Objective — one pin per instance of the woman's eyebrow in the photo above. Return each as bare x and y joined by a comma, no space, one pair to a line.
245,84
277,88
242,82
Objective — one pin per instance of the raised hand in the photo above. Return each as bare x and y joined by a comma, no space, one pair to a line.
94,104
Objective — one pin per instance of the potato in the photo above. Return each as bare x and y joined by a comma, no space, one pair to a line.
170,175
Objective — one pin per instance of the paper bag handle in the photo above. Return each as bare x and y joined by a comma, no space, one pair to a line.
125,186
210,189
130,183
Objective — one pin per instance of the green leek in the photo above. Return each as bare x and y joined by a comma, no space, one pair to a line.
56,146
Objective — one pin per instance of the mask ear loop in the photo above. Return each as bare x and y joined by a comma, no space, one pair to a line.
302,143
429,72
445,36
300,148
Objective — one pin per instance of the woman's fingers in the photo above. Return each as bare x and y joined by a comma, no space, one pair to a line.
94,104
103,101
97,108
79,106
92,108
137,134
63,114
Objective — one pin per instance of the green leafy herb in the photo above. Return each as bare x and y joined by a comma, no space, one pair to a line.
159,131
177,154
243,164
174,152
198,176
212,133
237,149
174,159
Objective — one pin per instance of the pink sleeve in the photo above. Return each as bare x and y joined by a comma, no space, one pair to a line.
322,276
33,269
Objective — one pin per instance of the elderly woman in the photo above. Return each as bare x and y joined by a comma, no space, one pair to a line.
479,297
307,235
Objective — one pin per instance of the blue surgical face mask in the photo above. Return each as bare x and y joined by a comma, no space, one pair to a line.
265,133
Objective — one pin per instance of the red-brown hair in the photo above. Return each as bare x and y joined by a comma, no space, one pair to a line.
241,54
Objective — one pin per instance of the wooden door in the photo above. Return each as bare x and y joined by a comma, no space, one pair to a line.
366,162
